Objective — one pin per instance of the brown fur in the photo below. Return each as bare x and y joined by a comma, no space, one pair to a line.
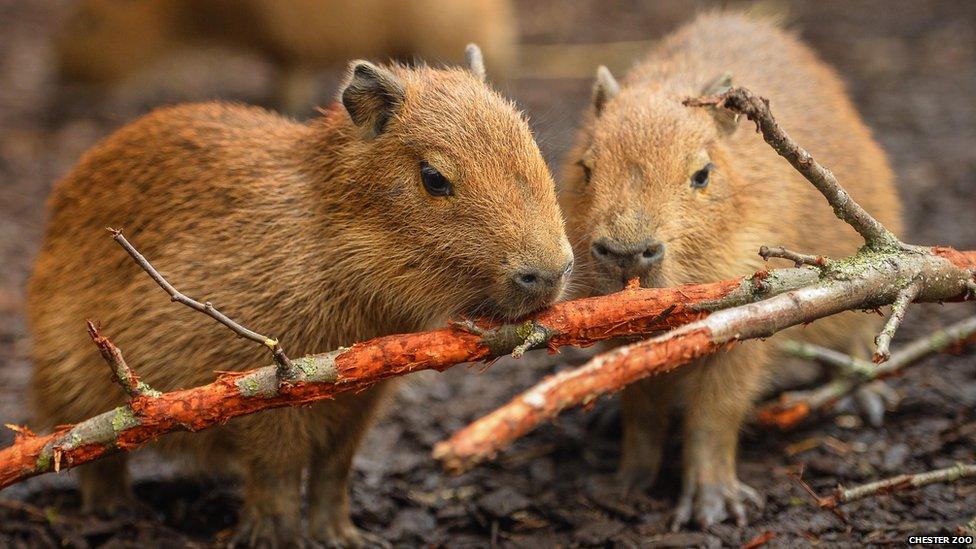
642,149
321,234
105,40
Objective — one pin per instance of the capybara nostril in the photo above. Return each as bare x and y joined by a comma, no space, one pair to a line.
633,259
541,282
653,253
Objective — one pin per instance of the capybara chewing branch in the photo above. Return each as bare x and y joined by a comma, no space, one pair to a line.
884,272
870,281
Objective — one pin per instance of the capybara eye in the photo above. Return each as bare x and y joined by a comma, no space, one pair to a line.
586,170
435,183
699,179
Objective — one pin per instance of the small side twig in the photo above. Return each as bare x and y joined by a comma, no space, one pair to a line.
897,483
799,259
286,370
121,371
898,309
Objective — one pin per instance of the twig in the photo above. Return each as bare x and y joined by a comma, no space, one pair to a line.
792,408
900,482
799,259
285,369
898,308
120,370
743,101
846,364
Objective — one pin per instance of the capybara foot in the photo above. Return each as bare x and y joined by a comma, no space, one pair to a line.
711,504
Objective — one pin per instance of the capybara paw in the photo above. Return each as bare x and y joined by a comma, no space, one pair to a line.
268,532
711,504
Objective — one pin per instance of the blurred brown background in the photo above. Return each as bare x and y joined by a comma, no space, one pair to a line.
910,66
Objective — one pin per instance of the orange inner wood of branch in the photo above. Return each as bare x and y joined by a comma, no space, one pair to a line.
485,437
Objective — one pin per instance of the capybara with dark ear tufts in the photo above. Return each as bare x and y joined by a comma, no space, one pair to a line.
421,194
104,41
675,195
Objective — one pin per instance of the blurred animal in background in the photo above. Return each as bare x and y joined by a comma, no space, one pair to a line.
106,41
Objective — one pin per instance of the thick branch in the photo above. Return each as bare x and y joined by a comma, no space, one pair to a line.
743,101
634,312
898,483
285,369
792,408
865,281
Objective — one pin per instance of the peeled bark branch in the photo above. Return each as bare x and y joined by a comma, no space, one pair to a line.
120,370
634,312
792,408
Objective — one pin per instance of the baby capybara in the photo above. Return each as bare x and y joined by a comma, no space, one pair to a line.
674,195
419,195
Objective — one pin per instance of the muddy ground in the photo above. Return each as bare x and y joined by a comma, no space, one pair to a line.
911,67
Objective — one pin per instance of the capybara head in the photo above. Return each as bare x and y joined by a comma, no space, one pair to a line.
449,176
649,186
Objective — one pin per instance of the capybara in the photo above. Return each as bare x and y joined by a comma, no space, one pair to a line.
674,195
419,195
106,40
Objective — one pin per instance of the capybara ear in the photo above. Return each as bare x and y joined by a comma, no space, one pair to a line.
475,61
605,88
726,120
371,95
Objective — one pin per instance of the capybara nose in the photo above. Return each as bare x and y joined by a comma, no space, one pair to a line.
634,259
542,282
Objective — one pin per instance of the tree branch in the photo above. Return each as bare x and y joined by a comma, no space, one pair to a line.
894,484
799,259
898,308
869,281
633,312
755,108
120,370
792,408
